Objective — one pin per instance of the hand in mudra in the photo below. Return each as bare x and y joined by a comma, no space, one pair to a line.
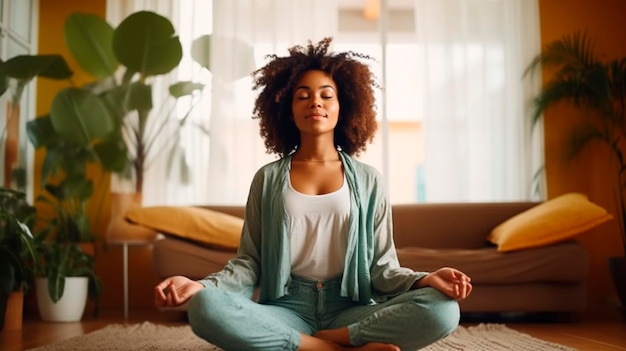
175,291
449,281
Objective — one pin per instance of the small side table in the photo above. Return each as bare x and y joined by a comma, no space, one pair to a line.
125,244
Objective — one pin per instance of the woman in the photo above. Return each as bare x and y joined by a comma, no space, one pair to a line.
317,236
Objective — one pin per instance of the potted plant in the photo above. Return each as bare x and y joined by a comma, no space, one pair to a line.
65,278
599,90
120,124
125,61
17,253
66,242
65,274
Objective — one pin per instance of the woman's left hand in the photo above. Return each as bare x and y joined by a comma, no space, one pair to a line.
449,281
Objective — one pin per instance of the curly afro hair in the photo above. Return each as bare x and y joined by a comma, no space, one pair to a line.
355,84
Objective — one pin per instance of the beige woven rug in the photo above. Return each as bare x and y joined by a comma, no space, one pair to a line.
149,336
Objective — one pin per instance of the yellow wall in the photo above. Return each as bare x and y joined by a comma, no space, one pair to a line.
603,21
601,18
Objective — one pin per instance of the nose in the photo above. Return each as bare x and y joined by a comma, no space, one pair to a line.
316,102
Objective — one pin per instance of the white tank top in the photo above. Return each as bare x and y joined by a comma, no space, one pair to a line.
318,225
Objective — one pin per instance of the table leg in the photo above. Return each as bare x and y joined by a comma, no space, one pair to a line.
125,258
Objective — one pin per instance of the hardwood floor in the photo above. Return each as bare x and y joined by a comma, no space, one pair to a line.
605,331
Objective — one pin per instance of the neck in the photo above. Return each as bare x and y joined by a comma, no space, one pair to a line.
327,156
314,160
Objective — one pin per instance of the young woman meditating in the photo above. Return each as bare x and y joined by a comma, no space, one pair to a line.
317,236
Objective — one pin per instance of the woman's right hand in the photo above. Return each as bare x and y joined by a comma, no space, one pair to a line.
175,291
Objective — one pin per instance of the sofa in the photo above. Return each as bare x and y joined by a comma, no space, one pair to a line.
546,277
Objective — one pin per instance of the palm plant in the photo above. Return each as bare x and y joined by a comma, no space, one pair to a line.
599,90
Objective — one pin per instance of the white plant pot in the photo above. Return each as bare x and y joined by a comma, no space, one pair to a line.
70,307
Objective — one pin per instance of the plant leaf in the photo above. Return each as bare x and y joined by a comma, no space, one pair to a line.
242,52
181,89
80,117
88,38
27,67
112,153
41,132
145,42
201,51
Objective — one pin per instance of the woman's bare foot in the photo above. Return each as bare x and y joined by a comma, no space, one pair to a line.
337,340
340,336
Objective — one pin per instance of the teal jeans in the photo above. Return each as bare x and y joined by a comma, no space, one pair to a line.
411,320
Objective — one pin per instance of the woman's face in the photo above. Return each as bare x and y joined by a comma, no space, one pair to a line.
315,105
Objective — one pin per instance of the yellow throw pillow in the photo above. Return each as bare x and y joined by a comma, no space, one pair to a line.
195,223
552,221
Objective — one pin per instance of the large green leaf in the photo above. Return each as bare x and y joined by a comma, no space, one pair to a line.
201,51
113,99
80,117
52,164
79,188
122,99
139,97
185,88
89,38
112,153
56,275
67,158
242,55
26,67
145,42
41,132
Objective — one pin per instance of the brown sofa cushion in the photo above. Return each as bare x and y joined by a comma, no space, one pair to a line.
565,262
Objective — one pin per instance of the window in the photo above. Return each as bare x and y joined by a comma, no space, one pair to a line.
452,109
17,37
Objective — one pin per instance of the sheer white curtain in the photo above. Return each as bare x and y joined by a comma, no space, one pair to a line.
478,140
471,56
117,10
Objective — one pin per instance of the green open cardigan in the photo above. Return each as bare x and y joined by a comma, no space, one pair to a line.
372,271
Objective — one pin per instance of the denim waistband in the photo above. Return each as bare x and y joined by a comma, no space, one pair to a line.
317,284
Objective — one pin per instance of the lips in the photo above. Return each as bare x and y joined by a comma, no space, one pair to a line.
317,114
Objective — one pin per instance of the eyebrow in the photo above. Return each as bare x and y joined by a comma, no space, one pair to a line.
306,87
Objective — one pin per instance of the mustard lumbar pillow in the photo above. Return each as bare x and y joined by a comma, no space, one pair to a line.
195,223
555,220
